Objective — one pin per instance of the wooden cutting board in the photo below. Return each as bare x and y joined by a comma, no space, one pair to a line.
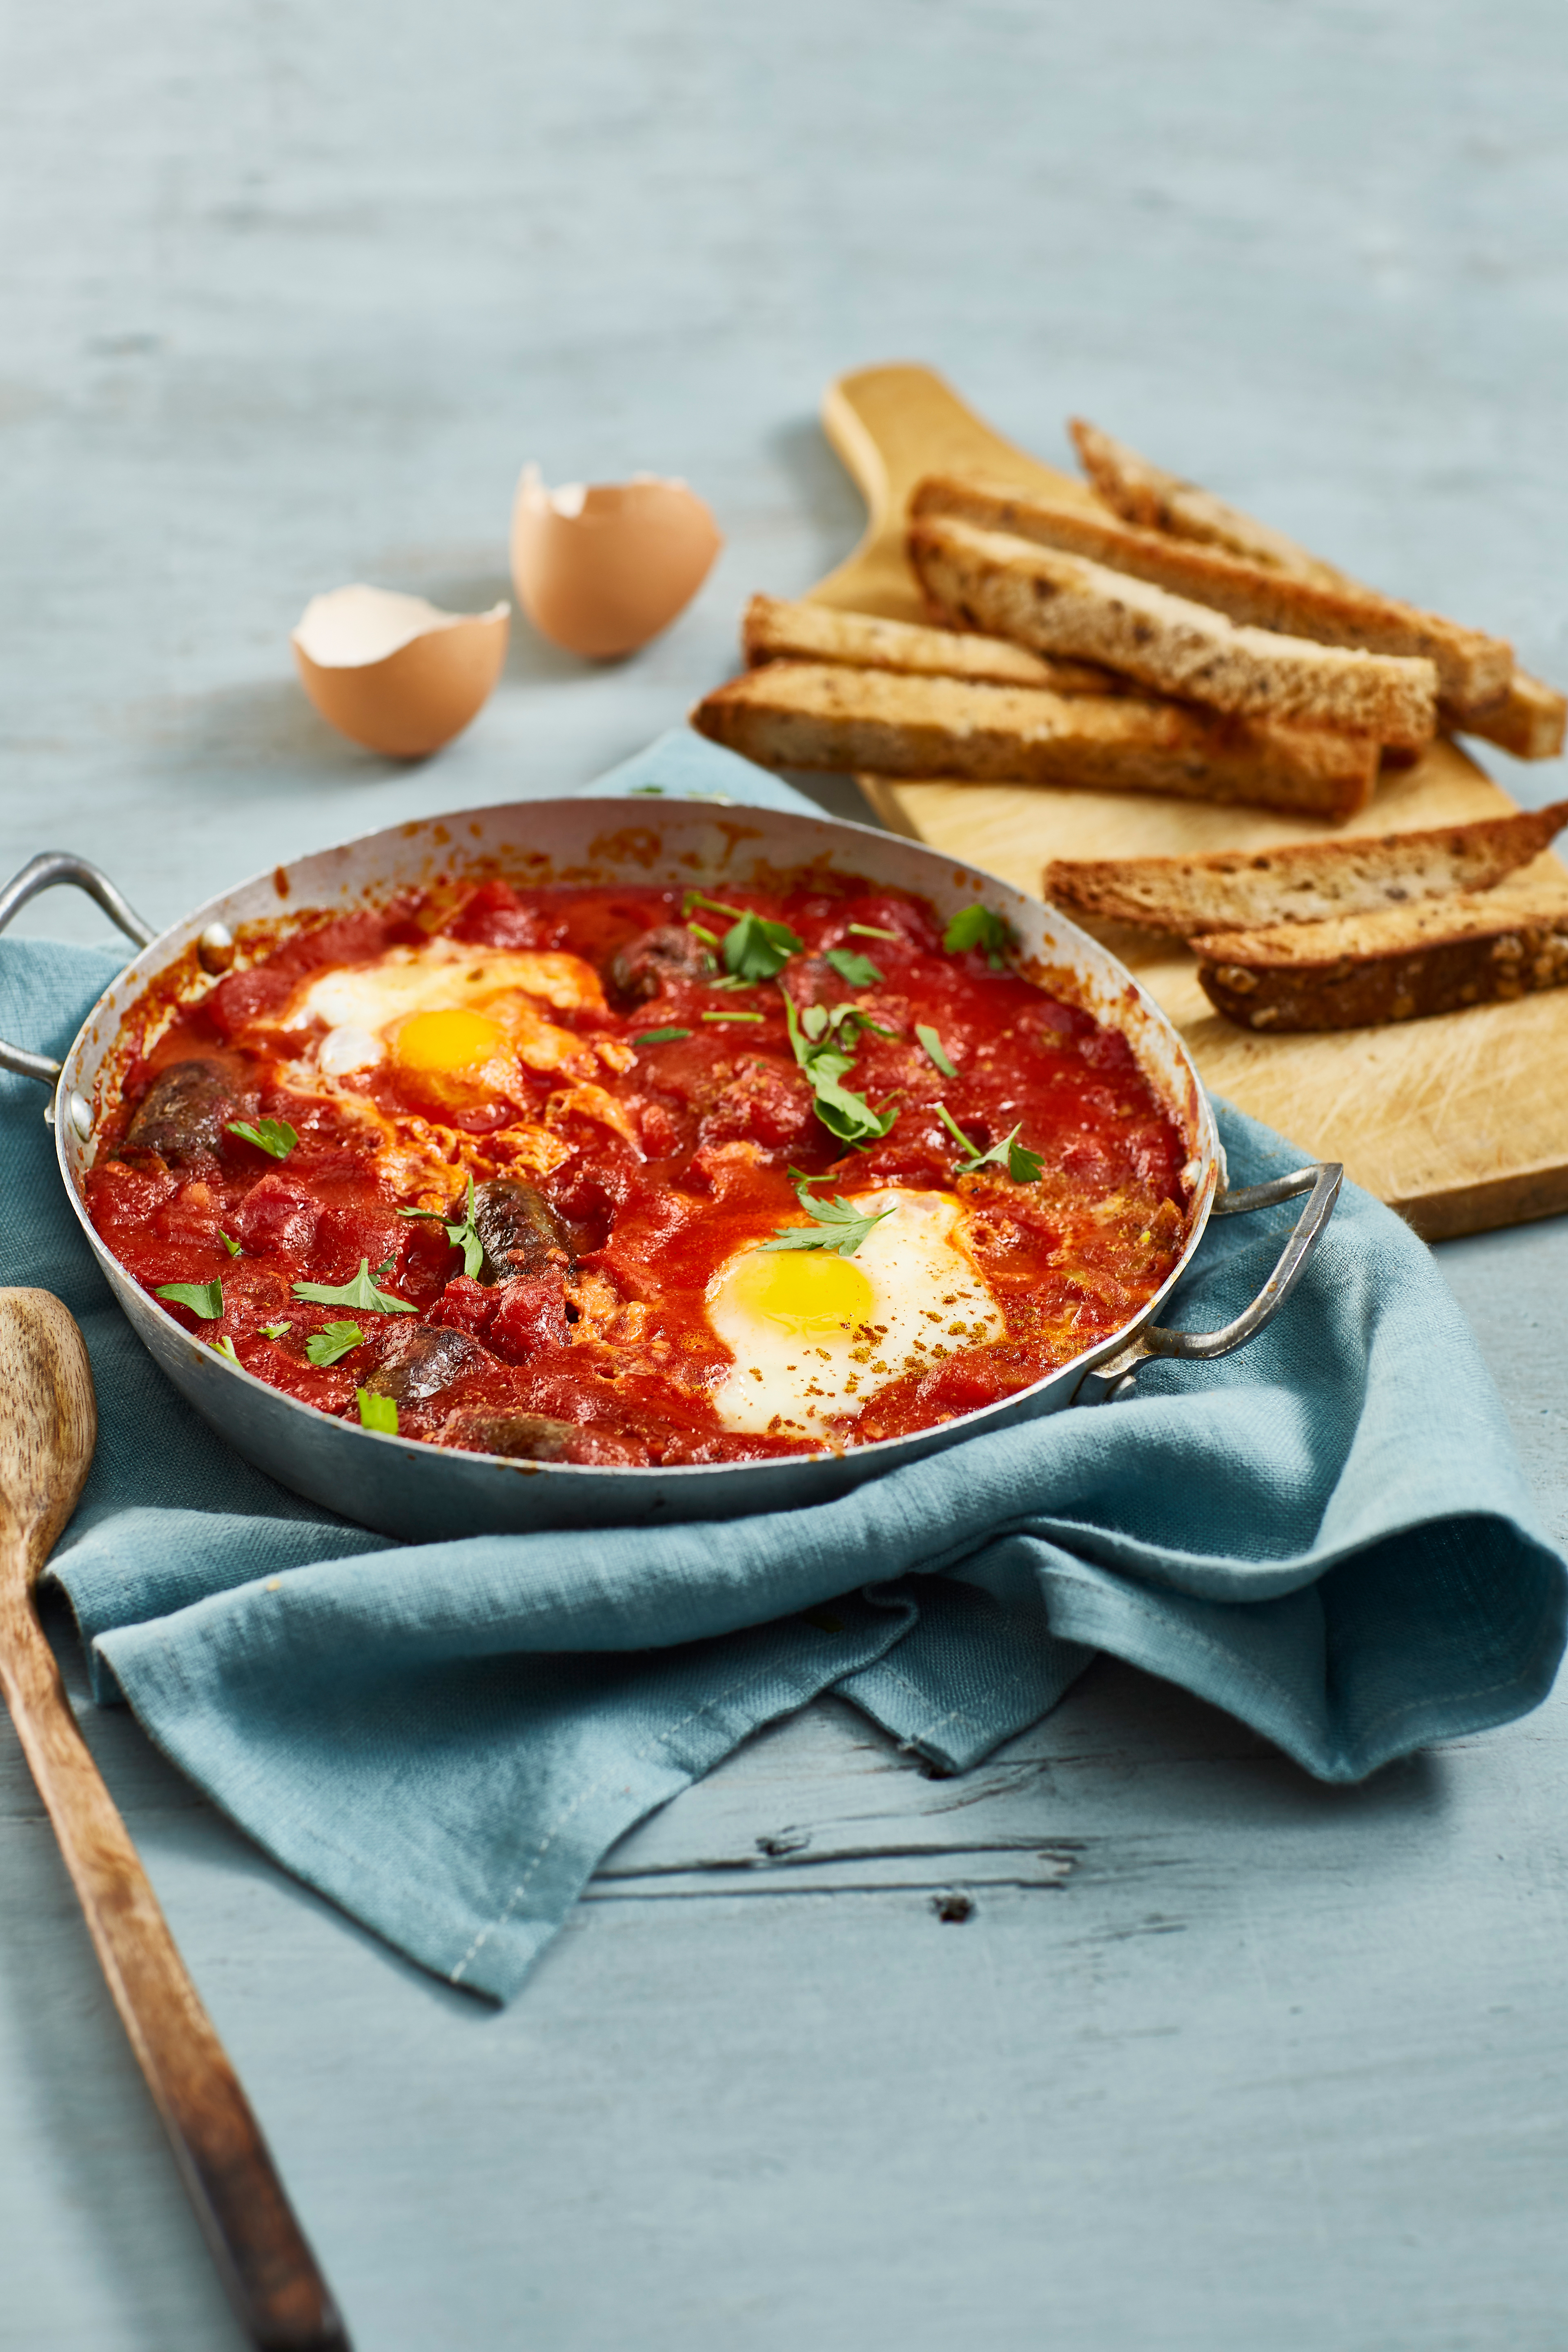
1460,1123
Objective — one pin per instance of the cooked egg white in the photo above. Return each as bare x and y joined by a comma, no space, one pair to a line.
814,1336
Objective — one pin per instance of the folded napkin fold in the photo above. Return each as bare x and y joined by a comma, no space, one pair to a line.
1326,1533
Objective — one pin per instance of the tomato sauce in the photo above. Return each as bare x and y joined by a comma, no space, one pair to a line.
634,1116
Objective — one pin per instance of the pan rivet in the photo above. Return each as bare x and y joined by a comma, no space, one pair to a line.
214,948
81,1116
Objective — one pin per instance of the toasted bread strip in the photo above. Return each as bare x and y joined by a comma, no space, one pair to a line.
819,715
775,631
1305,882
1472,670
1400,964
1530,720
1149,498
1067,605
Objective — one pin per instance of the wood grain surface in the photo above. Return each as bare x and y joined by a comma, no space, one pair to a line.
1458,1122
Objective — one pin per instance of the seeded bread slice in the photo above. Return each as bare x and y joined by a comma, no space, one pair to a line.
1472,670
1146,496
1401,964
820,715
775,631
1530,719
1305,882
1067,605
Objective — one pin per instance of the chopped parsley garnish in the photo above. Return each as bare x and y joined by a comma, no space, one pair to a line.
847,1115
361,1292
731,1016
752,948
224,1347
1022,1165
326,1347
232,1247
273,1136
869,931
460,1233
977,927
845,1021
661,1036
203,1298
934,1049
274,1330
377,1411
856,970
842,1227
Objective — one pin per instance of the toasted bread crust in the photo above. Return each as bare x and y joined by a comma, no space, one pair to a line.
1472,670
1403,964
1062,604
1529,721
1146,496
773,630
1305,882
817,715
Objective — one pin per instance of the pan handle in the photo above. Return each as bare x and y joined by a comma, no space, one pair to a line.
43,872
1323,1182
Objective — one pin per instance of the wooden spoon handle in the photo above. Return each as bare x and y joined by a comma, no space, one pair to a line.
270,2274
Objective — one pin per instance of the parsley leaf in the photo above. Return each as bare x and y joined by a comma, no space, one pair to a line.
274,1330
203,1298
845,1227
661,1036
935,1051
869,931
224,1347
757,950
273,1136
856,970
361,1292
326,1347
752,948
377,1411
977,927
847,1115
460,1233
232,1247
1022,1165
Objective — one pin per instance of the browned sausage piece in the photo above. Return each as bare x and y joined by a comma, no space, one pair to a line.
419,1359
517,1229
646,966
530,1437
181,1115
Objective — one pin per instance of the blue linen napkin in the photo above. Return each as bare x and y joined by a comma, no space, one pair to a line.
1327,1534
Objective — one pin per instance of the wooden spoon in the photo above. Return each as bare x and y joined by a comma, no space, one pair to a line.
49,1424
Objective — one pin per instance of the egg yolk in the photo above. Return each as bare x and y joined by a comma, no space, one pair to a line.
802,1291
438,1045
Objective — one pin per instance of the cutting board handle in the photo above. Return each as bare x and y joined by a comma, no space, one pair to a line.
891,425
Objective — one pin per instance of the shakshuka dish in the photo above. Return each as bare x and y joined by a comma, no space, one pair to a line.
632,1176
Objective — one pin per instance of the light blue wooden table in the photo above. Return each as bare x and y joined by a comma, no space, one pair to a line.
1217,2059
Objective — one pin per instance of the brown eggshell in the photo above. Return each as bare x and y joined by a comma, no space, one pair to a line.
601,571
395,673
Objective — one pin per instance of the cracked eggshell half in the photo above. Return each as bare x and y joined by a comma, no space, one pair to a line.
601,569
396,673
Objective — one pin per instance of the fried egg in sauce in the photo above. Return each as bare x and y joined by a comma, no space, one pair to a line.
814,1336
455,1022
